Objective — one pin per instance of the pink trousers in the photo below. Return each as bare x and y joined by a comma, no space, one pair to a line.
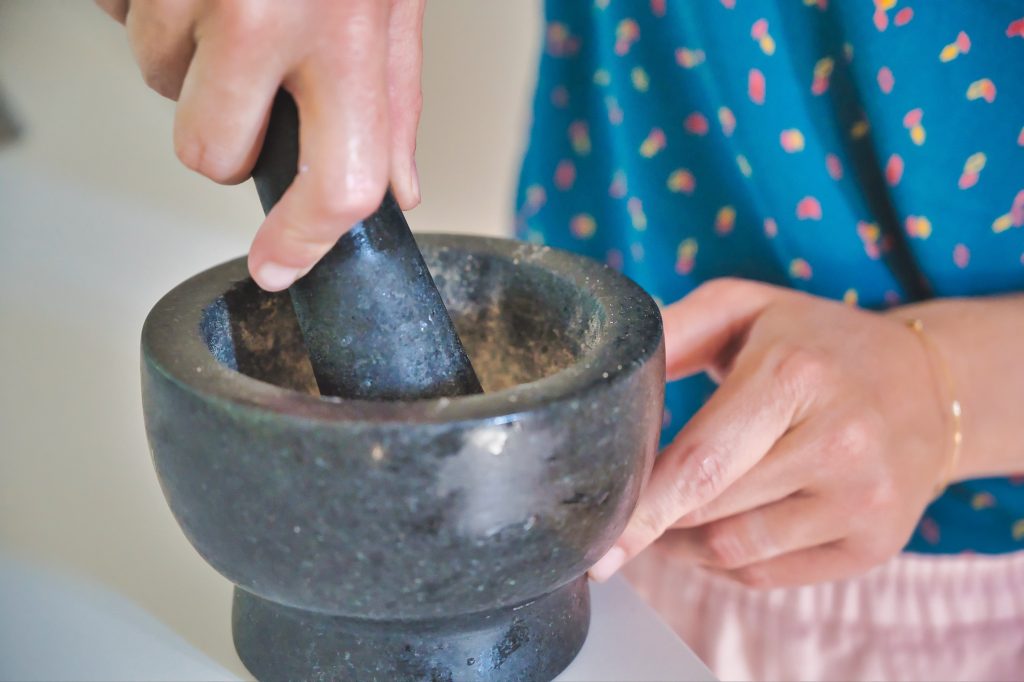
917,617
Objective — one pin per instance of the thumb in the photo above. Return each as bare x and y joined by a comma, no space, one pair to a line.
703,329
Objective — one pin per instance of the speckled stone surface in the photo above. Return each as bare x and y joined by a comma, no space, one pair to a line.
408,533
373,322
535,641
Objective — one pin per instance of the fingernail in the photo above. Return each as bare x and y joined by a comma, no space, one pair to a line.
608,564
274,277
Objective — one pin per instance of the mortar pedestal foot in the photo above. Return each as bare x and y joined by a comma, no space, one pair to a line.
531,642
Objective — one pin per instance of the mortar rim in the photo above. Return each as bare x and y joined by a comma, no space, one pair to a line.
193,368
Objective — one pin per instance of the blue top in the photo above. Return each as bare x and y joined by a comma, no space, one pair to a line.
868,153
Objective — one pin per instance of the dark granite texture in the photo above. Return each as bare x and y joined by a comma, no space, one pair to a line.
373,526
535,641
373,323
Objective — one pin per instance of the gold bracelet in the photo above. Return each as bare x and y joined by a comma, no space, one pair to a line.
955,411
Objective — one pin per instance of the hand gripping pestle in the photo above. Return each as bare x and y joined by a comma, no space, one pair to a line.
371,317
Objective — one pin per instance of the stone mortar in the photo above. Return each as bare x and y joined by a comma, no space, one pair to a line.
440,539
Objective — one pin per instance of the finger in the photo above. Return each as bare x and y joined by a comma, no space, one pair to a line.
788,467
823,563
225,100
755,536
343,150
702,328
405,58
117,9
724,440
161,36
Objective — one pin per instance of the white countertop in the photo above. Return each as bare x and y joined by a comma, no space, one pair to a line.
59,627
97,221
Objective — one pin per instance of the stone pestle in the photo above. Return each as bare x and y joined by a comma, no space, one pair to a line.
373,322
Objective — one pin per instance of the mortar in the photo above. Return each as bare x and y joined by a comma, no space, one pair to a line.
434,539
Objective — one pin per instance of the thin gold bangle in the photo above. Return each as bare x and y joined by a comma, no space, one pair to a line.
955,411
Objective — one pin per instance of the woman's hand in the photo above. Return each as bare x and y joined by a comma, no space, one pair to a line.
814,459
354,70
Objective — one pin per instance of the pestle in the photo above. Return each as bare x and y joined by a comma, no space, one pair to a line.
373,322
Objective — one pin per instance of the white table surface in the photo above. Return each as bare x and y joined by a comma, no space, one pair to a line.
58,627
97,221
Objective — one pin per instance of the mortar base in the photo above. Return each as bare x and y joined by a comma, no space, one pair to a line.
531,642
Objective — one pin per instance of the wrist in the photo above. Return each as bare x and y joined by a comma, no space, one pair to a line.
948,404
976,338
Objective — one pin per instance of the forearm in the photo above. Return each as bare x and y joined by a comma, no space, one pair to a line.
982,341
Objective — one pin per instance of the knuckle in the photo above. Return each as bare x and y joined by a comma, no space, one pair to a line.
204,158
156,50
157,78
162,70
800,369
702,473
307,242
237,30
724,547
365,197
855,436
352,200
117,9
881,495
711,474
244,22
361,29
